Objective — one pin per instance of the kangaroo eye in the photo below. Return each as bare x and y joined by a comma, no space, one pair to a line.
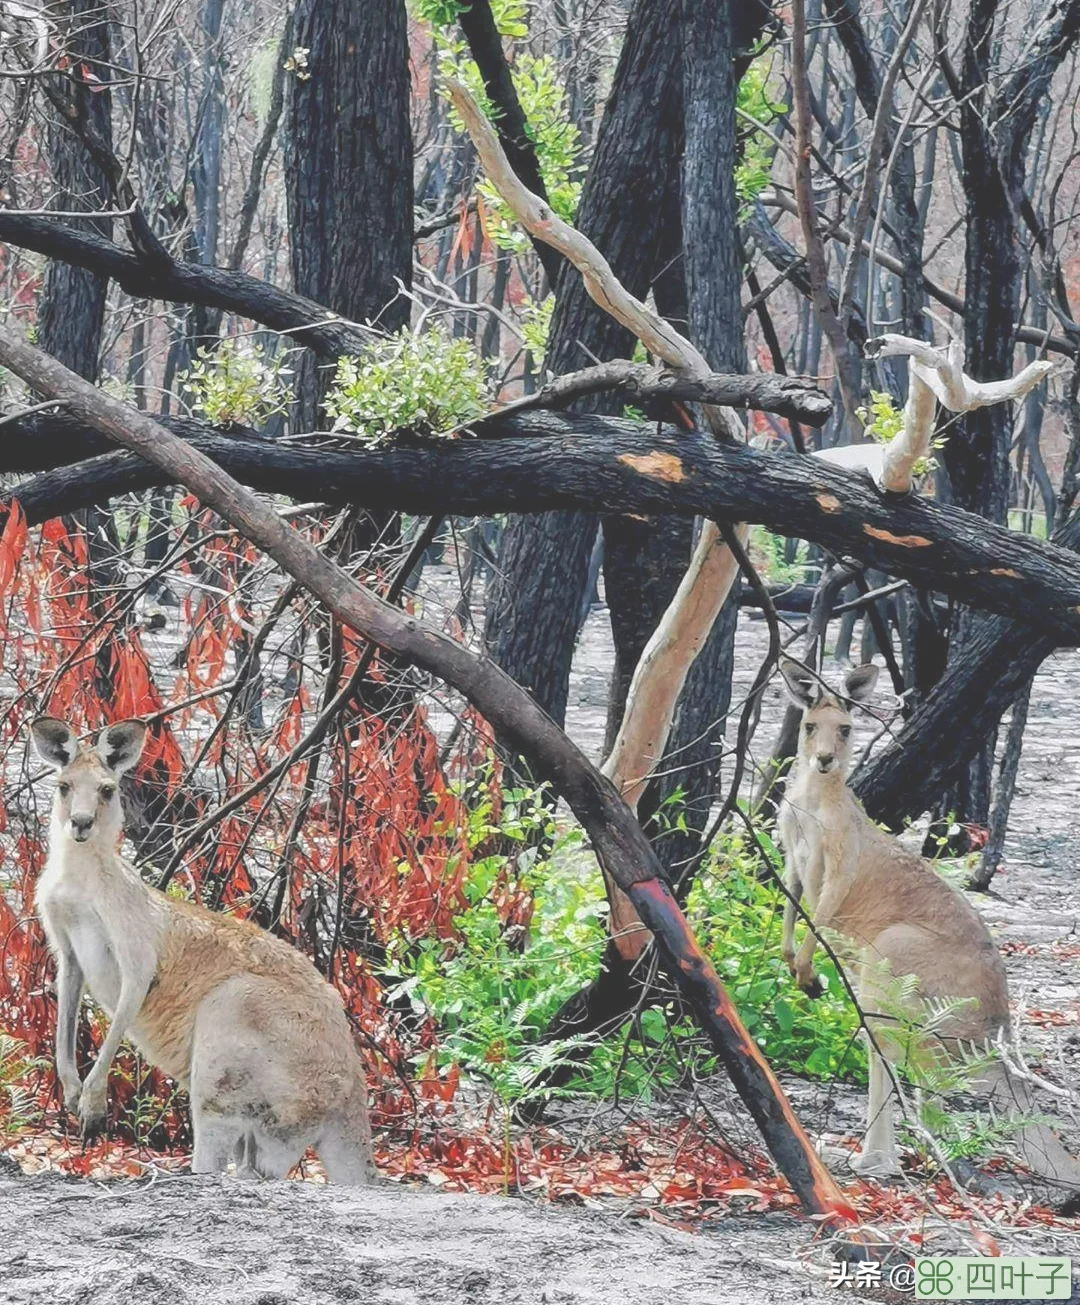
845,731
809,728
63,789
107,790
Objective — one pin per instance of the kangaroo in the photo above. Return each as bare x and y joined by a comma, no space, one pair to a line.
239,1018
862,882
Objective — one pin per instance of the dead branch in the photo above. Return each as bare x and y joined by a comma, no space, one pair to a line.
938,376
787,396
816,263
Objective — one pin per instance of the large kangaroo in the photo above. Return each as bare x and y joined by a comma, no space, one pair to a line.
241,1019
862,882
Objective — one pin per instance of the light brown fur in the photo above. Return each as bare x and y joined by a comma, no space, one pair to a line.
239,1018
862,882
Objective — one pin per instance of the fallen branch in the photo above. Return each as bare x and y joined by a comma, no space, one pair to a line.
547,461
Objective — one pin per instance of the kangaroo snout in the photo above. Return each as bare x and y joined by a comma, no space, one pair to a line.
826,761
81,827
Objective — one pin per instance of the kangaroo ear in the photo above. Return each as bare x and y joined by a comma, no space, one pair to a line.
54,741
859,682
803,689
120,746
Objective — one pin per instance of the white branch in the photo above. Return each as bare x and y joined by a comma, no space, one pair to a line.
935,376
538,218
664,664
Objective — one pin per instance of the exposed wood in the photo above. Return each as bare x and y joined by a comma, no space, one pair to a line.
654,690
538,218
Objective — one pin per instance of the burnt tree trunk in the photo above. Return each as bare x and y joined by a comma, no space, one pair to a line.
349,169
995,129
71,310
708,293
712,273
349,188
531,622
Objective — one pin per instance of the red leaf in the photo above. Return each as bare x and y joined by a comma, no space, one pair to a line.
12,545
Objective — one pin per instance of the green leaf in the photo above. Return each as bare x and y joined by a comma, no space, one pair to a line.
654,1025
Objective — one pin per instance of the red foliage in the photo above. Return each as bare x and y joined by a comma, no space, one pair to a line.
380,846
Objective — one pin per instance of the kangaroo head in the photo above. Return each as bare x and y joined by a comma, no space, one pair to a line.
86,803
825,733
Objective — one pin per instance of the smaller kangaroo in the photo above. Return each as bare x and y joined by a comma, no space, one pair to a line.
862,882
239,1018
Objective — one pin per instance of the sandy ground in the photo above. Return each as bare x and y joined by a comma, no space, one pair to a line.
177,1240
187,1240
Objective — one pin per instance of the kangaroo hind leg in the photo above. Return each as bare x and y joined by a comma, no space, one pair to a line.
878,1157
216,1141
344,1145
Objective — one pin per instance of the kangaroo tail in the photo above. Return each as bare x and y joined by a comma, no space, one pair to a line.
1037,1143
344,1146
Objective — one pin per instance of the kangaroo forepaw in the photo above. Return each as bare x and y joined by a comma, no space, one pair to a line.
812,985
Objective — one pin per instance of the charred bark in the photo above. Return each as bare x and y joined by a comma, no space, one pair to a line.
71,310
994,133
349,168
183,282
549,462
531,623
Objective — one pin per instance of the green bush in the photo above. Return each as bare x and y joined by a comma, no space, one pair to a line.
427,384
491,994
768,551
883,421
738,918
236,384
756,109
536,326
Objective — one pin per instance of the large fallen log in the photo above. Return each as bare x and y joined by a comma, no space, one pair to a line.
549,461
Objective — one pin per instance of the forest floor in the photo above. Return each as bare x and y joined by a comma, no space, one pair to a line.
178,1239
188,1241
